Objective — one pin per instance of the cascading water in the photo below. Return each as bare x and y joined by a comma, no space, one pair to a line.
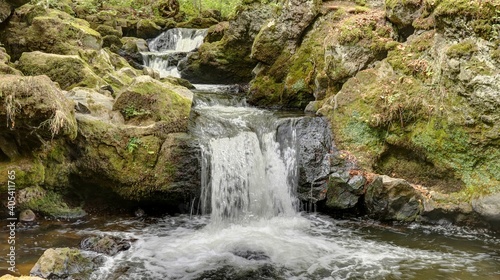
246,173
254,232
170,47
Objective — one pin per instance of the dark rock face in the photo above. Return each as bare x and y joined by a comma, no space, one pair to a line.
313,140
393,199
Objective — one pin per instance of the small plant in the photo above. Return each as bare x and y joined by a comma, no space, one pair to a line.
131,111
133,144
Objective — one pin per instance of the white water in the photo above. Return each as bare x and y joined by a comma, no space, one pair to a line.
168,48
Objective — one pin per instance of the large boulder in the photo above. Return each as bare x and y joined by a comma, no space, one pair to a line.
393,199
147,29
284,30
35,109
34,28
488,207
64,263
313,143
68,70
147,99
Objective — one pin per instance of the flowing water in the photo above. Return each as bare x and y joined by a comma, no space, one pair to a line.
170,47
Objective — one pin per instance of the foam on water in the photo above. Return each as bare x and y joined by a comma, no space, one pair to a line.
298,247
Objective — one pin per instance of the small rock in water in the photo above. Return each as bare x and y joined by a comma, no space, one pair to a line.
27,216
106,245
252,255
139,213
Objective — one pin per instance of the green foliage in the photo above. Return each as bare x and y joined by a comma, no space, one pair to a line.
465,48
130,112
133,144
194,8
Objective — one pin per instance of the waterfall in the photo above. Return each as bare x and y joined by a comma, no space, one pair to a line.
170,47
247,173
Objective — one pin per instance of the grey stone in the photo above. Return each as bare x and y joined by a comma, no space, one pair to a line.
488,206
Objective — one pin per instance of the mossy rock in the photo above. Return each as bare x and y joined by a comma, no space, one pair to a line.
137,163
148,99
36,109
147,29
28,172
49,204
105,30
50,31
68,70
63,262
5,67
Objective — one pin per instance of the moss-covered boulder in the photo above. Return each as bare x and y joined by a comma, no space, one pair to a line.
34,28
137,163
147,29
147,99
61,263
131,50
342,41
284,30
35,109
67,70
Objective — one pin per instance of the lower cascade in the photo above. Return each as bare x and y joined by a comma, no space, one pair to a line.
246,173
249,225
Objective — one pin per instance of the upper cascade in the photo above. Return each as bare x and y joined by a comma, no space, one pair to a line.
170,47
178,40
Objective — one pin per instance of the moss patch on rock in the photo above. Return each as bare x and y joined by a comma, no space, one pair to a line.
68,70
148,99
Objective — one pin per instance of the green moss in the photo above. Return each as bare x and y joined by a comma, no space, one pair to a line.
466,48
53,205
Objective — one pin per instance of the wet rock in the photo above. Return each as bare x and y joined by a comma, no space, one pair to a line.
130,50
106,245
27,216
251,255
314,143
441,208
345,190
393,199
64,263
